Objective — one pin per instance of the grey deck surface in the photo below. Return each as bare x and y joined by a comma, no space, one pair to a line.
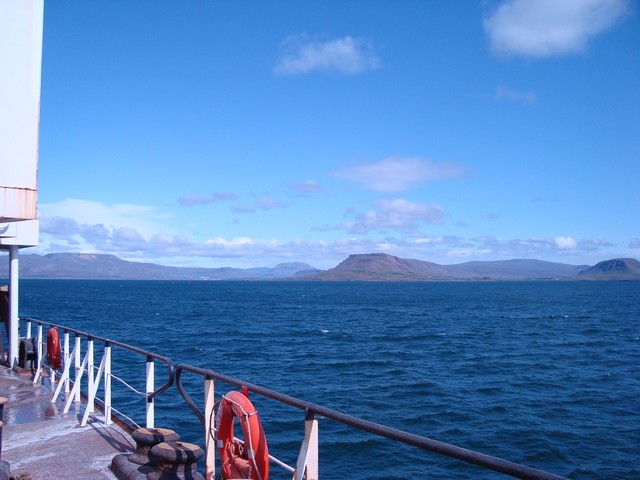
39,440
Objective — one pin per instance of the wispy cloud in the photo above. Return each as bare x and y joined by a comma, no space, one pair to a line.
398,214
306,188
144,218
512,95
397,174
263,203
216,197
347,56
544,28
266,203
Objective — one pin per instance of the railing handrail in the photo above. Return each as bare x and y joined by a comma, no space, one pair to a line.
170,381
312,411
470,456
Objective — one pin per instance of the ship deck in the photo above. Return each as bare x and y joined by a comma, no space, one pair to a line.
40,442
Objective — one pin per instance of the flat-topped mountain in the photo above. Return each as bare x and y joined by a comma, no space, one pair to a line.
621,268
384,267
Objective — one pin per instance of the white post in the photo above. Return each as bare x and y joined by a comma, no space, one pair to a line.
90,403
209,430
107,384
36,377
79,366
149,389
28,329
14,333
67,360
64,381
307,464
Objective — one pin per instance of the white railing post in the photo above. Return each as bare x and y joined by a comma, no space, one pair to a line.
149,390
307,464
28,329
90,377
91,394
66,355
64,381
36,377
107,384
75,391
78,365
209,430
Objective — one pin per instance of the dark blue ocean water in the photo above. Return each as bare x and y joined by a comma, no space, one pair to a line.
542,373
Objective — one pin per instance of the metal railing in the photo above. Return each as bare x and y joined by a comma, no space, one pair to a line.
307,462
306,466
75,366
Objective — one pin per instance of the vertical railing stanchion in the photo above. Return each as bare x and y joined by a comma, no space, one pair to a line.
107,384
78,361
66,355
149,391
307,464
90,373
209,430
36,377
28,328
64,380
93,391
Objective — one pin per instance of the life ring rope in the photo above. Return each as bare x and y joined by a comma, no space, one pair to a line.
254,455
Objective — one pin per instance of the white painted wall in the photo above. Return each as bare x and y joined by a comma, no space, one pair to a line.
21,23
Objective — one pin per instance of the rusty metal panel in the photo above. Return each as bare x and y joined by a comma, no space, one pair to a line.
18,204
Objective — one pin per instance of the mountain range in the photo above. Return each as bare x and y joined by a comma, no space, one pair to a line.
360,267
383,267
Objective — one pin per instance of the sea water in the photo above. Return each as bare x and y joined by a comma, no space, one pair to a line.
541,373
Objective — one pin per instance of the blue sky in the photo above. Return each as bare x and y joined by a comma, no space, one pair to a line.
218,133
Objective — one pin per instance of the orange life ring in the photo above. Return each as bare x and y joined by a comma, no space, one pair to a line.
250,460
53,349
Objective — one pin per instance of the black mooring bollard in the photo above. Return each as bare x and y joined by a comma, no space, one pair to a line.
175,461
146,438
3,400
5,472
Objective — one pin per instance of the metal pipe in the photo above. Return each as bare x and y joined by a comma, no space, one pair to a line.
486,461
14,332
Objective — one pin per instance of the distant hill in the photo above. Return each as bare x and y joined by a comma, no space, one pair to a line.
383,267
93,266
616,268
362,267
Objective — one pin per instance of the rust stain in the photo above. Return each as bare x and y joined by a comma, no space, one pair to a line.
19,203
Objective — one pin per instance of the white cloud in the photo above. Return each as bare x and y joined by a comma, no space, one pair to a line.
87,212
543,28
565,243
513,95
233,243
397,174
396,226
347,56
398,214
